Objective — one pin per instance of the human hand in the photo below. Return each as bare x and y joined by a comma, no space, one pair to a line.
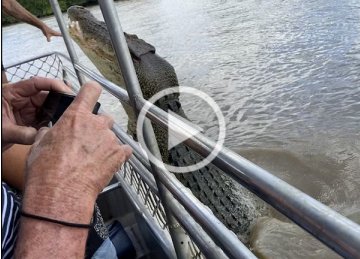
73,161
48,32
20,103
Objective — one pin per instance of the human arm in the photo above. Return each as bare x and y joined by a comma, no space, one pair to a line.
68,166
13,8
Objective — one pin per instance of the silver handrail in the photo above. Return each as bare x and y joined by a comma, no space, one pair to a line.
178,235
69,46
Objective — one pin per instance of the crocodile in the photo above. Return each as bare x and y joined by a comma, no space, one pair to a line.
231,203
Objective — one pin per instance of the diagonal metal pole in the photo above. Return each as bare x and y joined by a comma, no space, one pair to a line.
69,45
178,235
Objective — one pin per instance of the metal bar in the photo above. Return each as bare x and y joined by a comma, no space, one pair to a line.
336,231
133,88
70,47
200,238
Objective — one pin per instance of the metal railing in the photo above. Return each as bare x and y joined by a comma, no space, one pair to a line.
333,229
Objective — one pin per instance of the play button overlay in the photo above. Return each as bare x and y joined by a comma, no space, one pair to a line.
180,129
174,138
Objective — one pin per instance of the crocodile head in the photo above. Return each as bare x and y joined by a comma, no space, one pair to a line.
93,38
89,33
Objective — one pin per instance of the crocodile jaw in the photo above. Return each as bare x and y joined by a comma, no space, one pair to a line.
75,31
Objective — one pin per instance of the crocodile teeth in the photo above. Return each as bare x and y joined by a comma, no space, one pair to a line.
77,26
71,24
74,24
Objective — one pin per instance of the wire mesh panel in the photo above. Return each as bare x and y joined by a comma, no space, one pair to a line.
50,66
147,196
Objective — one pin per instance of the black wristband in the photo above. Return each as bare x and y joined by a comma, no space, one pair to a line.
64,223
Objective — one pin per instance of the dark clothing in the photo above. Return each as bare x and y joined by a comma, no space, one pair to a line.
10,214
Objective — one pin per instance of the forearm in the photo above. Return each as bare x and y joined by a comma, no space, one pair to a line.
13,8
13,163
42,239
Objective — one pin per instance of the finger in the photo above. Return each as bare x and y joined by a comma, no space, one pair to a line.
88,96
49,84
38,99
127,151
41,133
35,85
122,154
56,33
21,134
105,120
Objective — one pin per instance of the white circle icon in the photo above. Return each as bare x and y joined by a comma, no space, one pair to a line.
180,129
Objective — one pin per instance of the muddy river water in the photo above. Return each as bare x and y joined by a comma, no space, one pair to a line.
286,75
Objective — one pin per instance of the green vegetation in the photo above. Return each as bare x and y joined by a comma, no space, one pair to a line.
42,8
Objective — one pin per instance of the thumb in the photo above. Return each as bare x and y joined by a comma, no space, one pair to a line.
21,135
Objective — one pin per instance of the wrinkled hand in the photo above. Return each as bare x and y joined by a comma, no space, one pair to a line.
73,161
20,103
48,32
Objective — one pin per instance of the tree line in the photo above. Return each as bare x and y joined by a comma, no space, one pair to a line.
41,8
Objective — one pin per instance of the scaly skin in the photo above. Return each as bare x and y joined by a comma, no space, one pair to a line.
231,203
